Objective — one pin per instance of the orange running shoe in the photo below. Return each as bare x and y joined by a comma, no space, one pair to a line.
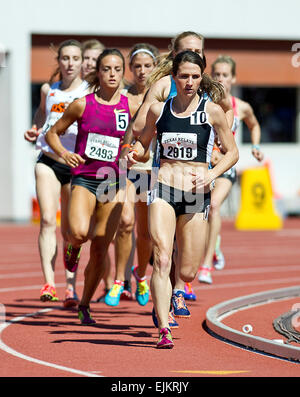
48,293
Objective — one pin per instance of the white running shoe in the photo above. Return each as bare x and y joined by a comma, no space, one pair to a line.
219,260
205,275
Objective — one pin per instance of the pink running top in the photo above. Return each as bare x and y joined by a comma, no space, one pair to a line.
100,132
236,120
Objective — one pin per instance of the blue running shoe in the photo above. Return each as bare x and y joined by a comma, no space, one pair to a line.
172,322
179,307
142,289
112,298
189,293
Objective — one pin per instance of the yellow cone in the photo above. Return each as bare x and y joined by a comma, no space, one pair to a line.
257,211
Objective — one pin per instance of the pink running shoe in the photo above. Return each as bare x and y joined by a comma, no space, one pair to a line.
165,339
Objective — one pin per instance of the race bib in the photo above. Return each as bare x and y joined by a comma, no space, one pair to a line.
179,146
102,147
51,120
198,118
122,120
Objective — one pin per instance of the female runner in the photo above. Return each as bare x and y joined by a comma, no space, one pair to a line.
52,174
180,200
224,71
142,60
98,185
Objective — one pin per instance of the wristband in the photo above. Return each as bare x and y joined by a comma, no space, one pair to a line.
216,148
257,147
125,145
63,152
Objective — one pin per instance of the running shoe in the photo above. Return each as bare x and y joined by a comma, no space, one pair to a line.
179,307
84,315
142,289
172,322
71,257
48,293
205,275
71,298
165,339
189,292
112,298
219,260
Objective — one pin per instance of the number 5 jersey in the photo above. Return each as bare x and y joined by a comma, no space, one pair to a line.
101,129
189,138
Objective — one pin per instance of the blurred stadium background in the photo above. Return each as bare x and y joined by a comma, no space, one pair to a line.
263,36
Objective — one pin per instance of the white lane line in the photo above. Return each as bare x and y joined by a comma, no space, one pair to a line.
25,275
258,270
34,287
290,280
217,273
201,286
13,352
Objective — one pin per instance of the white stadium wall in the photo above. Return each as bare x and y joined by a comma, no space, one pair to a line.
255,19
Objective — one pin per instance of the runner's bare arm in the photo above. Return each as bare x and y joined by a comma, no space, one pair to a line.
156,93
71,114
39,117
142,144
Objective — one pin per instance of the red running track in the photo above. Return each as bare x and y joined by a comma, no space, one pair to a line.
44,340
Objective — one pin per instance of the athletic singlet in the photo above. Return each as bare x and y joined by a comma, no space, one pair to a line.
172,94
235,124
56,101
100,130
173,89
189,138
236,120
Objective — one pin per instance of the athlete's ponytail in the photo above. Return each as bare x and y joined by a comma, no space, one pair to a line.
214,89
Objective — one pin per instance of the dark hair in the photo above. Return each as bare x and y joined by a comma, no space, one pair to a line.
211,87
92,77
66,43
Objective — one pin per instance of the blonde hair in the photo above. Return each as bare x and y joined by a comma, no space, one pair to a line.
225,59
92,44
165,61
